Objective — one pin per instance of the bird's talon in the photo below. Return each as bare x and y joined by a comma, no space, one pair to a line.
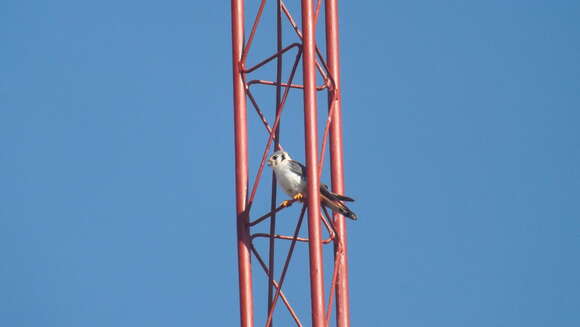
298,197
285,203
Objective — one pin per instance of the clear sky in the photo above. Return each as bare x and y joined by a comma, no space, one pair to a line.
461,144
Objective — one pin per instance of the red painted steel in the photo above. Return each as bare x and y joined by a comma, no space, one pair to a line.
336,161
241,143
328,68
311,134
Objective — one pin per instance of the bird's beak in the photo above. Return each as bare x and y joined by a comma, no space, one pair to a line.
269,162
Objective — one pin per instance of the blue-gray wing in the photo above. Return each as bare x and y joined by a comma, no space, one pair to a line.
297,168
300,169
333,196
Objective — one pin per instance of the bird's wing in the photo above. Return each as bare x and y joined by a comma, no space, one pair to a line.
300,169
297,168
333,196
329,199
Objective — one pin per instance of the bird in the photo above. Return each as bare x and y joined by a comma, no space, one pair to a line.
291,176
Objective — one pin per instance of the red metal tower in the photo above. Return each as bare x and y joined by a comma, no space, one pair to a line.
313,63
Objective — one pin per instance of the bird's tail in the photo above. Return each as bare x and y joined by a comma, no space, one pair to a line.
333,201
345,211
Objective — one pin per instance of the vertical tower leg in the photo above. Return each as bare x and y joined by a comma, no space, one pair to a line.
336,160
311,126
241,132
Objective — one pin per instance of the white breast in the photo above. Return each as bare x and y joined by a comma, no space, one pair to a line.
290,182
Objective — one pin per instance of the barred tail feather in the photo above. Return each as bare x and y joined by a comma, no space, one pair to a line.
338,206
345,211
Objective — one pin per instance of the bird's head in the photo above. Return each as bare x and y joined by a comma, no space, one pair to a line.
277,158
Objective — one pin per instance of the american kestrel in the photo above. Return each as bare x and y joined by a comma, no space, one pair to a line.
291,176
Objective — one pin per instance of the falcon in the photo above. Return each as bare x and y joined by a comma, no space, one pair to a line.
291,176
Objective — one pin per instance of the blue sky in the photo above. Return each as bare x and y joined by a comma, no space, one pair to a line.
461,148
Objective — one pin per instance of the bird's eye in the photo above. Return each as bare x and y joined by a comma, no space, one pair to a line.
275,157
283,157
